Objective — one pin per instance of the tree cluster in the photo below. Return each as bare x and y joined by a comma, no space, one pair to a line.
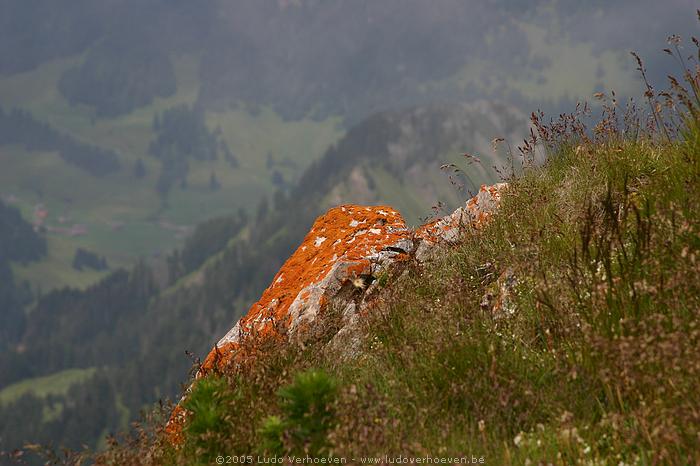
115,79
88,259
18,243
182,135
20,127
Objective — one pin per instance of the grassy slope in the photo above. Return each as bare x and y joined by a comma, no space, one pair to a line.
545,382
597,364
100,204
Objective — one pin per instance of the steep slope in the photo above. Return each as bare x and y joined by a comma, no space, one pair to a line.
135,334
345,252
563,331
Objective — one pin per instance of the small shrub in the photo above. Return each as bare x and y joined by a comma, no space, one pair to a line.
207,423
307,416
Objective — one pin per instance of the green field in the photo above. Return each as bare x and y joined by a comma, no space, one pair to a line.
570,70
124,217
54,384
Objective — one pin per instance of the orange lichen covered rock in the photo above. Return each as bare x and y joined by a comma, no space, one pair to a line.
346,246
342,245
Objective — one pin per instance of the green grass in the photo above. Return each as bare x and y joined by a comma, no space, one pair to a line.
54,384
592,357
552,367
251,137
56,271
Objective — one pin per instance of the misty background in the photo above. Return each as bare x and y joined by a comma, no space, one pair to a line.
159,159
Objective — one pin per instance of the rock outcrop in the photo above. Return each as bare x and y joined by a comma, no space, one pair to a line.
448,229
345,250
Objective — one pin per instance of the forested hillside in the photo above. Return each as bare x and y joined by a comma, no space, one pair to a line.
19,243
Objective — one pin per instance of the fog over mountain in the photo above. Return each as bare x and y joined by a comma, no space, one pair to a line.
349,58
159,159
